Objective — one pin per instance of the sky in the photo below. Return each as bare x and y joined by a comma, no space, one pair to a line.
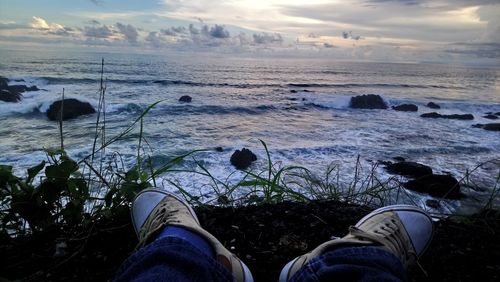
466,31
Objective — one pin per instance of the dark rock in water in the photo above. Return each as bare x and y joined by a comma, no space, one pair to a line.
21,88
304,99
293,91
4,82
497,114
488,126
406,108
72,108
433,105
185,99
292,99
411,169
219,149
369,101
492,126
399,159
243,159
305,90
12,93
7,96
490,116
453,116
433,204
444,186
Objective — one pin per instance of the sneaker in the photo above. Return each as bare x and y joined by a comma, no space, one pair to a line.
403,230
153,209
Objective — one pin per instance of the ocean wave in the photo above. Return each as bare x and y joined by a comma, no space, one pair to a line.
40,81
370,85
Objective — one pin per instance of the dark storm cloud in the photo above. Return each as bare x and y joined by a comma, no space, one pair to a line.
128,31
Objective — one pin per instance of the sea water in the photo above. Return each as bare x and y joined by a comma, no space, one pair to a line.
298,107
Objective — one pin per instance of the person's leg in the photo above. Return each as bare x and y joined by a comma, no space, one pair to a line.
379,247
174,245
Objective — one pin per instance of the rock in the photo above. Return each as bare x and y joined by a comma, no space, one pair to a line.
7,96
4,82
72,108
406,108
433,105
411,169
219,149
444,186
488,126
490,116
399,159
292,99
12,93
369,101
185,99
293,91
453,116
243,159
21,88
433,203
492,126
497,114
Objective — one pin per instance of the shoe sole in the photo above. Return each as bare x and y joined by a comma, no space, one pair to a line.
154,205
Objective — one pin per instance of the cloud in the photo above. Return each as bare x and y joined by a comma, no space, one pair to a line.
12,25
477,50
97,2
128,31
348,34
103,31
39,23
174,31
52,28
217,31
93,22
154,39
266,38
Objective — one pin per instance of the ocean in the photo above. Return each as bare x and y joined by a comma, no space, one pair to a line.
298,107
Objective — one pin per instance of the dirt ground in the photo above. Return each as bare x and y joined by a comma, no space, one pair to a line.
265,237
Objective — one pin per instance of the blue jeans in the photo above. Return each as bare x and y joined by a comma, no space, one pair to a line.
174,259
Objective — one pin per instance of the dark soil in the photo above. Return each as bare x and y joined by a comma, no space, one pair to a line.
265,237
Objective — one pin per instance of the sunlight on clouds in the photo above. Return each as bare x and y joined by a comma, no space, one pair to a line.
466,15
39,23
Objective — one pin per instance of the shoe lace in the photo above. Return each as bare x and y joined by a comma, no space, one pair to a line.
160,217
389,235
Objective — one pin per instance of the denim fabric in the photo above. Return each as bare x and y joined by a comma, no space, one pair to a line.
171,259
174,259
194,238
353,264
